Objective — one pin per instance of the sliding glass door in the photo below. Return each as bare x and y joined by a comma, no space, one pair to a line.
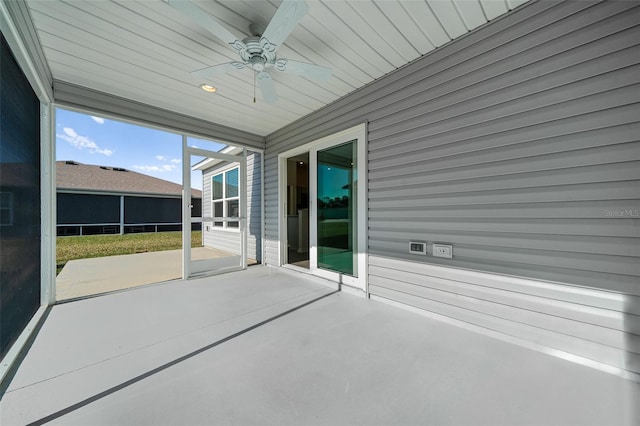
337,208
336,205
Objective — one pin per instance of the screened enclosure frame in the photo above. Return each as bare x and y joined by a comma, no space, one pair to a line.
33,65
42,89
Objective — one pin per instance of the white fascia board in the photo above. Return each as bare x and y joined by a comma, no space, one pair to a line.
129,194
17,32
207,163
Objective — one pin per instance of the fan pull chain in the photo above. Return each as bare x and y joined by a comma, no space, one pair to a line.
255,76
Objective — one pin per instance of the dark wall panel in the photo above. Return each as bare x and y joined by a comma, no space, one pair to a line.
152,210
196,211
84,208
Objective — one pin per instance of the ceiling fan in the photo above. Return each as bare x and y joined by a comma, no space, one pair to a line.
257,51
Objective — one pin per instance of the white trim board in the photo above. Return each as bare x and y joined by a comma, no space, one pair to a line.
38,80
593,327
514,340
18,347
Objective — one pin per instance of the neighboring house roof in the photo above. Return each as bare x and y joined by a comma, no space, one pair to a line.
71,175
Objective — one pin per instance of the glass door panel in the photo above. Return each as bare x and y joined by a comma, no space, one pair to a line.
336,208
297,211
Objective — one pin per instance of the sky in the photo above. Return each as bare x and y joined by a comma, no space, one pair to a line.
103,142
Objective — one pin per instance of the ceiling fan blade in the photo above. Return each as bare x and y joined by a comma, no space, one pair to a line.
303,69
289,13
209,72
268,89
208,23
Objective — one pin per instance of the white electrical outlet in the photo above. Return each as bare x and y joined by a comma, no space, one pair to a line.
443,250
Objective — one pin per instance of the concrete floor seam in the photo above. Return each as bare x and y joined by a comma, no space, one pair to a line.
175,336
167,365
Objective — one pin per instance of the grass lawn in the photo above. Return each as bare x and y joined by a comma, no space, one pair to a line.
82,247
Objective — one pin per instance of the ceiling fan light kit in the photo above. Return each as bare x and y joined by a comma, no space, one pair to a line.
258,51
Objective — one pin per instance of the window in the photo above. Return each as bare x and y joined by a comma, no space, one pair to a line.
225,198
6,208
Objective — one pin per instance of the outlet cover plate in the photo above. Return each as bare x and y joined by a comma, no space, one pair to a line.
443,250
418,247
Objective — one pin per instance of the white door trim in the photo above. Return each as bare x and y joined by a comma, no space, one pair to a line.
358,133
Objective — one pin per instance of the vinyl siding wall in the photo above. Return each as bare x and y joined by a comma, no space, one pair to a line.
229,240
519,144
254,206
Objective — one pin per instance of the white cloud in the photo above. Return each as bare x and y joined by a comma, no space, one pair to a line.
98,120
167,159
156,169
82,142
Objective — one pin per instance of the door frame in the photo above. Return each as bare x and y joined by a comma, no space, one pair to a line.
359,134
187,151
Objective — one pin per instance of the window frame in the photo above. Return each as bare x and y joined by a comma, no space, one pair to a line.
224,200
8,207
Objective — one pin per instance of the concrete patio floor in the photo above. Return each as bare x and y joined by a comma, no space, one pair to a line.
233,349
85,277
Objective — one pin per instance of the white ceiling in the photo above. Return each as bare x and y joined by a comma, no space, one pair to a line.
145,50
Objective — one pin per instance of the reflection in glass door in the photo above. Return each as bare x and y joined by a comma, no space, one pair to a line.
297,210
337,208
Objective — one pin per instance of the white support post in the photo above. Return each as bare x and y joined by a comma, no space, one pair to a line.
186,209
122,215
48,205
262,211
244,214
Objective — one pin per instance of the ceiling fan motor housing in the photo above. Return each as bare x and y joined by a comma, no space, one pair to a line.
257,57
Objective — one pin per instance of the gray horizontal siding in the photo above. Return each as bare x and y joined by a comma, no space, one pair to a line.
254,206
481,46
271,209
71,95
229,240
517,144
